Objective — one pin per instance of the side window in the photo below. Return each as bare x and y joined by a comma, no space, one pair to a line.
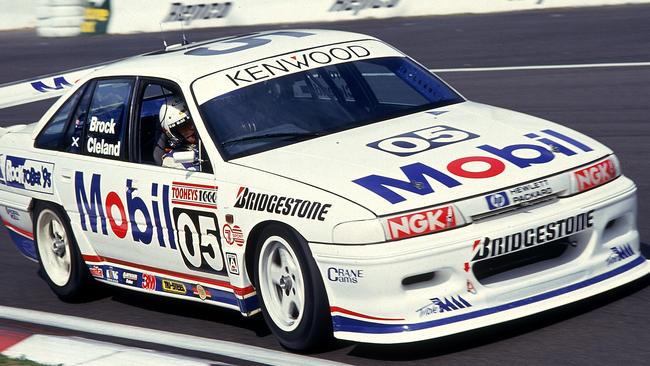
107,117
387,86
151,139
152,144
72,140
52,134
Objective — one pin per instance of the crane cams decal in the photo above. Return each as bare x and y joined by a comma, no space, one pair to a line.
281,205
31,175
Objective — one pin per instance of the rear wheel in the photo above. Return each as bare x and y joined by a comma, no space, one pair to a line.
291,291
59,259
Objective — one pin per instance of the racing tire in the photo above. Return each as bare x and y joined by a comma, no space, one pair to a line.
291,291
60,262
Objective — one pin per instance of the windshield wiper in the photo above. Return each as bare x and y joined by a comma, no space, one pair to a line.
289,135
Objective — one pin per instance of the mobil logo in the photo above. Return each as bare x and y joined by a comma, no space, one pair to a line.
419,176
125,214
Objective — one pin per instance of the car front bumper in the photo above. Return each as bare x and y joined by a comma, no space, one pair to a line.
427,287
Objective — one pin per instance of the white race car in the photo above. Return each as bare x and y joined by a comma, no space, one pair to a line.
336,185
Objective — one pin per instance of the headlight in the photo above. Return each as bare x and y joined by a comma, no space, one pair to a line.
359,232
594,175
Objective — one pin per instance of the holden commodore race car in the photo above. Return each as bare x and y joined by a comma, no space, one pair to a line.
336,186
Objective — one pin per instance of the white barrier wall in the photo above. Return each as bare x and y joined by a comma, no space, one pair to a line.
128,16
16,14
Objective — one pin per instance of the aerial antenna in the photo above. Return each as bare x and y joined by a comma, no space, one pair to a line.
162,35
184,42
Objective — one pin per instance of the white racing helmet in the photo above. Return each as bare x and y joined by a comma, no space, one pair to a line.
173,113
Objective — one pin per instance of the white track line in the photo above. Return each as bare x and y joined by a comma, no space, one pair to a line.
183,341
543,67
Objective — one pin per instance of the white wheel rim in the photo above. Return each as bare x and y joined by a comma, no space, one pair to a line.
281,283
53,247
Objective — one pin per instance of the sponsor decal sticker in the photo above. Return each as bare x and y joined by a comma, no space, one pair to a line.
595,175
130,278
356,6
13,214
279,66
619,253
180,12
173,287
344,275
519,195
422,178
420,223
112,274
233,235
470,287
194,195
96,271
493,247
281,205
148,282
233,266
31,175
422,140
201,292
442,305
57,83
2,177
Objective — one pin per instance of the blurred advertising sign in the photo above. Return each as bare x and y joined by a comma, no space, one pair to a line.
96,17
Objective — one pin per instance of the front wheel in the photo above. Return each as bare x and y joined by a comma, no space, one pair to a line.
59,259
292,296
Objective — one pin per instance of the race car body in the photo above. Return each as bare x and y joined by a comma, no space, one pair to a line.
336,185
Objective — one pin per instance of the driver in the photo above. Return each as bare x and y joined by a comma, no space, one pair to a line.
180,133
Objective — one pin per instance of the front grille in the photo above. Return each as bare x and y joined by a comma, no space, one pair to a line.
487,268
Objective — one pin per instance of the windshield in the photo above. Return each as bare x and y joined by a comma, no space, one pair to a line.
316,102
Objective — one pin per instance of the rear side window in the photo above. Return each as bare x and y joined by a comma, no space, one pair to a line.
52,134
106,120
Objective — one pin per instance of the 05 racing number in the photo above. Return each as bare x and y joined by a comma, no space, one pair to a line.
199,241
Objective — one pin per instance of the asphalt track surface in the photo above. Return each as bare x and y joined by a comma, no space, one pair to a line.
609,104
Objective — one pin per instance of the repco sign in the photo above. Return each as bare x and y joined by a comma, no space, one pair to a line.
188,13
357,5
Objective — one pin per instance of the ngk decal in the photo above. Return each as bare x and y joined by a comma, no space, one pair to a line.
419,223
595,175
194,195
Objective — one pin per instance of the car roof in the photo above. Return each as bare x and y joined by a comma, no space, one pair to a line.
176,64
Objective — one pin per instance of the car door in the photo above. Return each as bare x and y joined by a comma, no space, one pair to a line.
131,211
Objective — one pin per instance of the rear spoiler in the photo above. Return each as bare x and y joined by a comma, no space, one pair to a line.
41,88
44,87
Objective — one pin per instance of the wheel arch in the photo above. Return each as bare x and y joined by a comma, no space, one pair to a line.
252,242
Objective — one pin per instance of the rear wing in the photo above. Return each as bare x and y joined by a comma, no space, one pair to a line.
41,88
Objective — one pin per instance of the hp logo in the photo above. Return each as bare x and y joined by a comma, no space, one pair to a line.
497,200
